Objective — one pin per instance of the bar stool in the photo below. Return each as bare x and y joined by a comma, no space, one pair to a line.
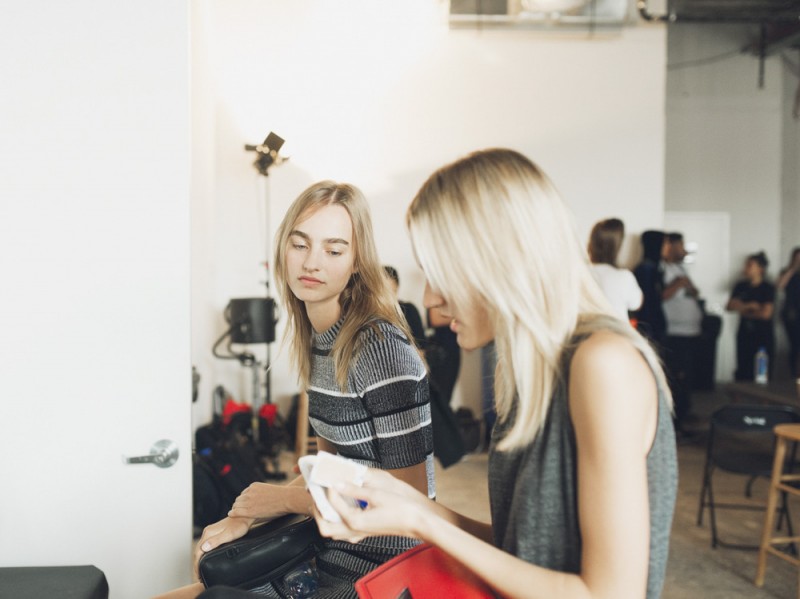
785,435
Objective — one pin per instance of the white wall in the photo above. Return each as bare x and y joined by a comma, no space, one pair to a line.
382,93
724,135
731,147
790,180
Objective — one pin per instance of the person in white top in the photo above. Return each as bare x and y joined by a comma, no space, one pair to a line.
684,325
618,284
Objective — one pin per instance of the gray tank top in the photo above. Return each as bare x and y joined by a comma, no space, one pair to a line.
533,492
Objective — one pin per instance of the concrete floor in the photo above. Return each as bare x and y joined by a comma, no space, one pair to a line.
694,569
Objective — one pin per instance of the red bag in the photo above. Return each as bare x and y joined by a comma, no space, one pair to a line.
424,572
232,408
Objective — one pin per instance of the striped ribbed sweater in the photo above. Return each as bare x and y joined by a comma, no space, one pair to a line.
381,419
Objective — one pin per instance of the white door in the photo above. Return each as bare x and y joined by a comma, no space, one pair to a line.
94,281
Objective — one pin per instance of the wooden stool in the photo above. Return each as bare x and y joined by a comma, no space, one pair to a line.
304,443
785,434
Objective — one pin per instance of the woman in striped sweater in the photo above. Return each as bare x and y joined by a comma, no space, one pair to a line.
367,385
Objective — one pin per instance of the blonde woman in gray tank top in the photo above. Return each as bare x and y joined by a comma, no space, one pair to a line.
583,469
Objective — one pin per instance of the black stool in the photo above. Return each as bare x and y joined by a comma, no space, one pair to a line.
75,582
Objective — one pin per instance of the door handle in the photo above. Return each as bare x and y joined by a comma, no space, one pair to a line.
163,454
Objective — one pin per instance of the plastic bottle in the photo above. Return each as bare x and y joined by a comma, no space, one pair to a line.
761,366
302,581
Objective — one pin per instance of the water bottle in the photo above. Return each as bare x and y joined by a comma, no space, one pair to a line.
302,581
761,366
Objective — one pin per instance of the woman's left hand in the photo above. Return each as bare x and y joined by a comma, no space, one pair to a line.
393,508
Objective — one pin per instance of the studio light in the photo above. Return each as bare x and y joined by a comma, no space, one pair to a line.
267,153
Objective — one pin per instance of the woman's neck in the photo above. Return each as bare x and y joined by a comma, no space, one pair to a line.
323,315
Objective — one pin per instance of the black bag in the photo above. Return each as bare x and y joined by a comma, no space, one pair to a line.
448,442
470,429
263,555
225,463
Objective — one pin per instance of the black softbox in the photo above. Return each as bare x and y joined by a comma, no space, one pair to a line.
251,319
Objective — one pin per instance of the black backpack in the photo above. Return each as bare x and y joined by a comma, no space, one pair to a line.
226,461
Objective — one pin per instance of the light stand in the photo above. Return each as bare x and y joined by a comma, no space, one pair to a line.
252,320
266,156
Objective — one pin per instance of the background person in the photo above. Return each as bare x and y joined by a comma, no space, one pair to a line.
443,354
650,319
684,318
789,283
754,300
618,284
448,444
409,310
582,468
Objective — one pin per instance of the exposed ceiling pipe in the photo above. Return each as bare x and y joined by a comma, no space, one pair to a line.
776,31
645,13
762,55
785,13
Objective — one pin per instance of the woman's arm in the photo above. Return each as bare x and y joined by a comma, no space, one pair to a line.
262,501
734,305
788,272
635,295
676,285
256,504
759,310
614,407
785,277
416,477
735,302
753,309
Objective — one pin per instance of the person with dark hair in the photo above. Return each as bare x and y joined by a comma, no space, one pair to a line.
618,284
650,319
684,318
789,283
448,444
754,300
409,310
443,354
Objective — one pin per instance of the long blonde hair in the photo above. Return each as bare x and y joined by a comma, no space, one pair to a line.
366,299
491,230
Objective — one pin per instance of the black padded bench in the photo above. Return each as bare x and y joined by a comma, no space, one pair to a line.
65,582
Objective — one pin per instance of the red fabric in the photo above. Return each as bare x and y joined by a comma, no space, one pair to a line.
426,572
268,412
233,407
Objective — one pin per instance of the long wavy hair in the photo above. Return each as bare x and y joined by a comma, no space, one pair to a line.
490,229
366,299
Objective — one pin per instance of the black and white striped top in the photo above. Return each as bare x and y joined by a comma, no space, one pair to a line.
381,419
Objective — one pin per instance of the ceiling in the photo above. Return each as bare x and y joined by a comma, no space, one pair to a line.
740,11
778,20
776,23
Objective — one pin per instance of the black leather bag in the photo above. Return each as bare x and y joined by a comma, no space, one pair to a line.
263,555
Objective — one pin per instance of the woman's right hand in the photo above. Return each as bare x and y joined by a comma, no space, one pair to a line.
393,508
266,501
214,535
